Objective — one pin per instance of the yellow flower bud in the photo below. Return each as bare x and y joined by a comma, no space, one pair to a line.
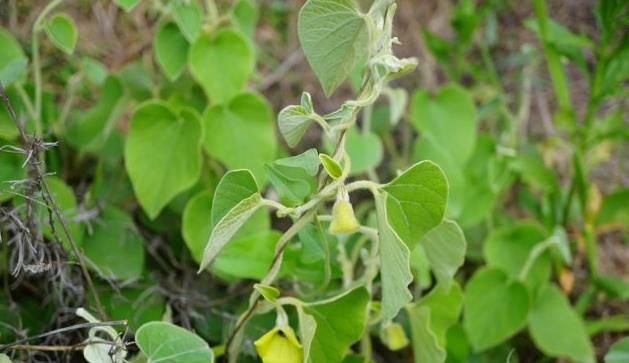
279,345
394,337
343,219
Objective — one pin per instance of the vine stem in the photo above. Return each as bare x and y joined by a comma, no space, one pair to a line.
269,278
534,254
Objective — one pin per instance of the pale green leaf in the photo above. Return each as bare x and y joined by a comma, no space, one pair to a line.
235,201
417,201
495,308
62,32
294,177
340,322
241,134
171,50
115,248
4,358
334,37
189,18
293,121
12,59
557,329
167,343
426,348
445,248
269,293
163,155
395,271
221,62
618,352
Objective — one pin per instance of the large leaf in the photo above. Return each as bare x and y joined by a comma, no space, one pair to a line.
221,63
115,247
294,177
557,329
508,249
138,304
445,248
251,250
12,59
364,149
167,343
340,322
90,132
62,32
417,201
163,156
395,272
236,199
240,134
495,308
171,50
335,38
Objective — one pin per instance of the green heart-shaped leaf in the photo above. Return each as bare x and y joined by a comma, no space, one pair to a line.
334,36
445,248
163,155
240,134
495,308
171,50
221,63
364,149
62,32
417,201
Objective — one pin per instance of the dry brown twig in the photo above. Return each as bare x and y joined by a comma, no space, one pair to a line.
34,146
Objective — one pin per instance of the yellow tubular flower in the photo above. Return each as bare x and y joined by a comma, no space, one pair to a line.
279,345
343,218
394,337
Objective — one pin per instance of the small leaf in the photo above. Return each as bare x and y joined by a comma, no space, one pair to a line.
171,50
445,248
395,272
417,201
495,308
115,247
127,5
557,329
12,59
236,199
331,166
293,121
425,345
221,63
445,306
162,155
188,17
334,37
167,343
269,293
334,335
241,134
62,32
618,352
294,177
